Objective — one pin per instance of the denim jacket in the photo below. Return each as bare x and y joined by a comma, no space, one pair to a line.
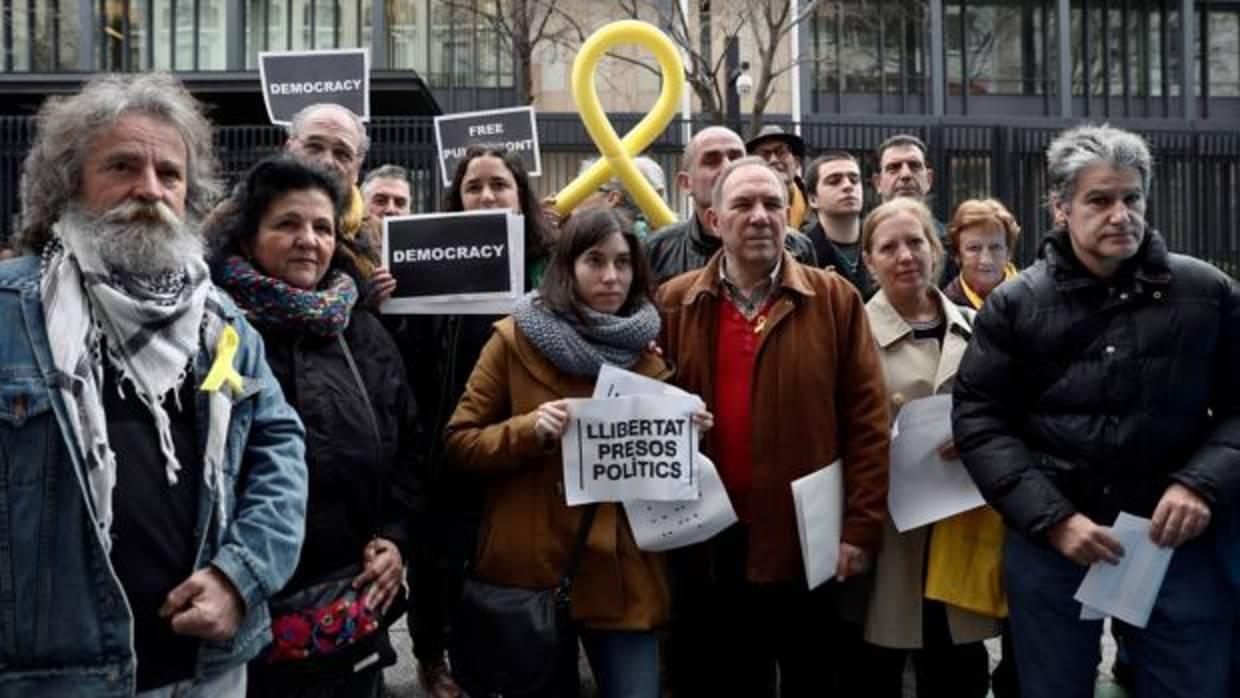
65,624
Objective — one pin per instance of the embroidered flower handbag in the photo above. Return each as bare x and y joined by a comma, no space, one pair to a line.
325,629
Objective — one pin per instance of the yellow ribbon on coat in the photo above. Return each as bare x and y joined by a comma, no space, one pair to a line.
222,370
618,154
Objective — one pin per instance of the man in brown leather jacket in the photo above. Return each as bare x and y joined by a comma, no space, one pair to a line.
782,354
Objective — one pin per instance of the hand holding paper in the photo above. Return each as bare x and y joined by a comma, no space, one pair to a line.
552,420
1085,542
925,486
1127,590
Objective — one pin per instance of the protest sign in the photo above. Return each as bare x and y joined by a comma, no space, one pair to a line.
659,526
451,263
512,130
626,448
924,487
294,80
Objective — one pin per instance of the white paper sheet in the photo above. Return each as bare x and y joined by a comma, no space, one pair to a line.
614,381
1128,590
923,487
819,501
626,448
659,526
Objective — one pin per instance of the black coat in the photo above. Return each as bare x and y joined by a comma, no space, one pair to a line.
1083,395
682,247
830,257
341,457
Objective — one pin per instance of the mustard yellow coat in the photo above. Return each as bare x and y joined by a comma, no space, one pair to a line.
527,530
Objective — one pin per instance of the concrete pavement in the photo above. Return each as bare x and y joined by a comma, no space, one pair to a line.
402,680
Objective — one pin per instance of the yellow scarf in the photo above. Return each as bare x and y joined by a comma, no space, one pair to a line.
350,224
797,208
975,300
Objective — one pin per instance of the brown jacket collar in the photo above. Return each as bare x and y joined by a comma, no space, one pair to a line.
792,278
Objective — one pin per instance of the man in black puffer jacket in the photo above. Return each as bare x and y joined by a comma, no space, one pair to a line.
1106,378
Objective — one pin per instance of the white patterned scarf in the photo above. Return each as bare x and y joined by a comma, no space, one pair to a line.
153,327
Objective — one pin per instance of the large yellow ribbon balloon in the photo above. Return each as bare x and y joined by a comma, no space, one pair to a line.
617,154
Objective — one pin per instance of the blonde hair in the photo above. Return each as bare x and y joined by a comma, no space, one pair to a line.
982,213
918,210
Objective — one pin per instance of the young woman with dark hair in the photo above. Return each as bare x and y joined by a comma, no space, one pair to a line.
592,308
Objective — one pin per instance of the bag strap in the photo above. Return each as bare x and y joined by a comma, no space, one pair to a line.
579,546
374,428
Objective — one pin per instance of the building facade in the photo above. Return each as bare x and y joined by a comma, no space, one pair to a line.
984,82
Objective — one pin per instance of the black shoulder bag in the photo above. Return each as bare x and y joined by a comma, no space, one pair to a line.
325,630
508,641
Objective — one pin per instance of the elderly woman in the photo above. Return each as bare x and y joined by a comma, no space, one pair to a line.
982,235
278,255
921,336
593,307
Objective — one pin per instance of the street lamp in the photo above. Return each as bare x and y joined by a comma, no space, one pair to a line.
743,81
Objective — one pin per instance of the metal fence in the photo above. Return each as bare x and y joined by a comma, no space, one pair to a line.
1195,201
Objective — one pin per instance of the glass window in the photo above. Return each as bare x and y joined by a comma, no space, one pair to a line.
1222,54
212,34
40,36
859,47
1133,48
469,51
406,45
16,51
999,44
124,35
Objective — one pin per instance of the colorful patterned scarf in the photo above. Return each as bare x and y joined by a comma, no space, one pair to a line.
271,302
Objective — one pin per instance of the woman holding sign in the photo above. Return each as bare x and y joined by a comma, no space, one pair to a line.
921,336
440,352
277,255
593,307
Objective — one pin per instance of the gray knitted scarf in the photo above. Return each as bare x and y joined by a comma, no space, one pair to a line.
582,349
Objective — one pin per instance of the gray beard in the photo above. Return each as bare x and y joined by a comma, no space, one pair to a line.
133,238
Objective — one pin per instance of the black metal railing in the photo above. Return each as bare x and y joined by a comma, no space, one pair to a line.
1195,201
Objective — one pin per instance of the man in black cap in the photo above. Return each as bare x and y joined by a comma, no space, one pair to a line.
784,152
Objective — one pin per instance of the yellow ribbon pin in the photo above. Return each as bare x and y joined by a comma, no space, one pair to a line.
618,155
222,370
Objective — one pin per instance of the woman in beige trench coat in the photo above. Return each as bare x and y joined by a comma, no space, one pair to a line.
921,337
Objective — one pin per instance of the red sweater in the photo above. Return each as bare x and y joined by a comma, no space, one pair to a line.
735,353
